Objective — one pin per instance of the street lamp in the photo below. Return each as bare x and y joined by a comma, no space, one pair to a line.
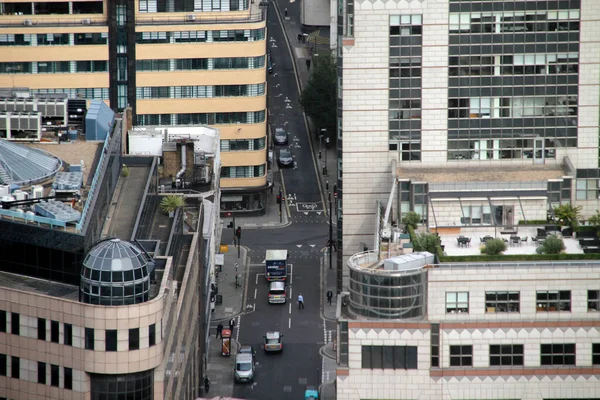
323,134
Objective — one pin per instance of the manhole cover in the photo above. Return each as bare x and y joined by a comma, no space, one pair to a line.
229,310
302,381
287,389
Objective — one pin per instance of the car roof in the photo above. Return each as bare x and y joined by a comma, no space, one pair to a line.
244,348
285,150
277,285
279,130
244,357
273,335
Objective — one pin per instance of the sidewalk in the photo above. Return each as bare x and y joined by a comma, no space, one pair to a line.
220,368
271,219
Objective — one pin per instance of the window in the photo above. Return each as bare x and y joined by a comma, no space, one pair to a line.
111,340
68,378
68,339
389,357
457,302
558,354
554,300
587,189
497,302
54,331
2,321
41,329
54,376
89,338
15,367
134,339
506,354
3,365
152,335
461,356
596,353
593,300
435,345
41,372
14,323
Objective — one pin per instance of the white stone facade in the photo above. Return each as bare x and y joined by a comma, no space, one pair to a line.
480,328
367,162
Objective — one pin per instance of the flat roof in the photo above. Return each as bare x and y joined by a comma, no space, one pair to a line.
472,173
39,286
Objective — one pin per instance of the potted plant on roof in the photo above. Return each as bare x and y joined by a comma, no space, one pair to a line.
169,204
569,216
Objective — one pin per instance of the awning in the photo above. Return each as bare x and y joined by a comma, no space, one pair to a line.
230,199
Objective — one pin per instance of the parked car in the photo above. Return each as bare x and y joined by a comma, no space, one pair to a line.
284,158
281,136
269,63
273,341
244,368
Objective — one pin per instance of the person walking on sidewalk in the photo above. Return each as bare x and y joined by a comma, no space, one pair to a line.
231,325
300,302
206,384
219,330
329,296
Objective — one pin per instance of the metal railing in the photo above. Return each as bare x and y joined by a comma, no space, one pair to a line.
524,264
13,215
198,18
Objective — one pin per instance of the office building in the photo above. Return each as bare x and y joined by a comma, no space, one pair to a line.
411,328
485,112
102,294
173,62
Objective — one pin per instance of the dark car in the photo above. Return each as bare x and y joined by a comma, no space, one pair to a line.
284,158
281,136
269,63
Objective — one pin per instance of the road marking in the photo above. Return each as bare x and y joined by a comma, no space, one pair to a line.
312,245
291,298
309,207
290,323
255,289
290,308
291,273
298,245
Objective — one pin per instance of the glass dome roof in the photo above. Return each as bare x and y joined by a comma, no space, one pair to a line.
115,272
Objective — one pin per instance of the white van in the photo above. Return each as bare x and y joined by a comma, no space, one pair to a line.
277,292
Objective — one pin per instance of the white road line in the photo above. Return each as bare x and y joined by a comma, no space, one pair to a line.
291,273
256,279
237,333
290,307
255,289
290,323
291,298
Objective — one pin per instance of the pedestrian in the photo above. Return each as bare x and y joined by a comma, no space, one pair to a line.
220,330
231,324
206,384
308,64
329,296
299,37
300,302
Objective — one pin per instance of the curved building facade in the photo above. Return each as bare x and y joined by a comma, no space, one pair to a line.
395,288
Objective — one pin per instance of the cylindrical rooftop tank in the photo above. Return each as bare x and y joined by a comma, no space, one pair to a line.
114,273
392,289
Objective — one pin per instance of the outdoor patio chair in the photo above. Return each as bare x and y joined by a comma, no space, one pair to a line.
524,239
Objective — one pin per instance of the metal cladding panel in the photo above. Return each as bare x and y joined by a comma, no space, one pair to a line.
99,121
25,165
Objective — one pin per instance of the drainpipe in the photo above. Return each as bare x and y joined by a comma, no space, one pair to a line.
183,161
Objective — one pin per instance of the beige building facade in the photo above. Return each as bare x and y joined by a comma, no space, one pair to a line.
173,62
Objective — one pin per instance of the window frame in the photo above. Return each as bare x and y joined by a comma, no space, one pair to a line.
550,304
593,301
464,356
456,302
501,305
553,350
506,355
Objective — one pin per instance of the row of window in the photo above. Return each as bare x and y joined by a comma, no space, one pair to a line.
517,64
180,92
237,35
53,327
154,6
250,117
53,39
53,67
252,171
514,21
184,64
243,144
509,301
405,357
45,8
557,354
42,372
512,107
82,93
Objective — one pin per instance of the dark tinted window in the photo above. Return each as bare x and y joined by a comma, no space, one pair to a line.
41,372
54,375
134,339
3,364
14,323
111,340
2,321
41,329
54,331
15,367
89,338
68,378
68,334
152,335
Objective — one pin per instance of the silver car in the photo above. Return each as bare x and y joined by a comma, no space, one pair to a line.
284,158
281,136
273,341
244,368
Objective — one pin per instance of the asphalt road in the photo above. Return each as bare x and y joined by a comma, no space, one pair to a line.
286,375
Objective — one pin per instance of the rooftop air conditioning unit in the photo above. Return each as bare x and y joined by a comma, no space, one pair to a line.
86,21
191,17
28,22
